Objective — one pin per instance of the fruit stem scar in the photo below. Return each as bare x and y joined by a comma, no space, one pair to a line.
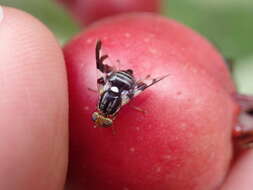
243,132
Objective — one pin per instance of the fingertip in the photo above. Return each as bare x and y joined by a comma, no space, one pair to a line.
33,105
240,176
1,13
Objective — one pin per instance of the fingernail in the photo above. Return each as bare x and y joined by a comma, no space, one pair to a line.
1,14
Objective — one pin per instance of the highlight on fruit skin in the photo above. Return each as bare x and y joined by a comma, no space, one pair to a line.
184,139
89,11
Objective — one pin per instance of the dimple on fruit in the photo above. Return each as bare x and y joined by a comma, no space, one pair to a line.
183,140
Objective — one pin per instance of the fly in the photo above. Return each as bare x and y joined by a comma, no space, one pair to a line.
116,88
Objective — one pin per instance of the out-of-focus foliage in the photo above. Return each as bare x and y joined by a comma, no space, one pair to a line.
227,23
243,74
50,13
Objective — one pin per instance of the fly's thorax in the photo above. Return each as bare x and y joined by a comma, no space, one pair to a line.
109,102
116,90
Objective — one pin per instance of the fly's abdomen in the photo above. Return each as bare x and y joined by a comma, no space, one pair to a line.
109,103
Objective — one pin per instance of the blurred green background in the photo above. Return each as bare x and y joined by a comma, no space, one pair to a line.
227,23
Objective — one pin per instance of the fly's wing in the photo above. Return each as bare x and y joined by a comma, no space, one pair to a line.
125,98
140,86
103,70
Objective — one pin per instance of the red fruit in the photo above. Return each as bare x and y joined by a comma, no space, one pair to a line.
184,139
88,11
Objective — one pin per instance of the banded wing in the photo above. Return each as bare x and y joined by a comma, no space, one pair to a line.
140,86
103,70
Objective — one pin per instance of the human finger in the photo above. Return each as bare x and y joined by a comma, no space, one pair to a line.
33,105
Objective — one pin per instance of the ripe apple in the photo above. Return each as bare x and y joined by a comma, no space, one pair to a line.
182,140
88,11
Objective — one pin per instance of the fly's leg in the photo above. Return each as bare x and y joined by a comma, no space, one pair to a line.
119,64
146,78
92,90
138,109
100,82
113,130
113,127
139,84
243,132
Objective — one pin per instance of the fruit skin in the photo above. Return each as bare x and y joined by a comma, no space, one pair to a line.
88,11
184,139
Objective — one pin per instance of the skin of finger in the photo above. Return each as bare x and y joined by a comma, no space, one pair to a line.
33,105
241,174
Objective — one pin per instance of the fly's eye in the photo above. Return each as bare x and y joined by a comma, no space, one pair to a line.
95,116
107,122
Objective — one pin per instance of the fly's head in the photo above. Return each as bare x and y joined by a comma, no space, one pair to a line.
101,120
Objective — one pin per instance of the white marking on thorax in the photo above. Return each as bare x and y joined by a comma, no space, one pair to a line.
115,89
